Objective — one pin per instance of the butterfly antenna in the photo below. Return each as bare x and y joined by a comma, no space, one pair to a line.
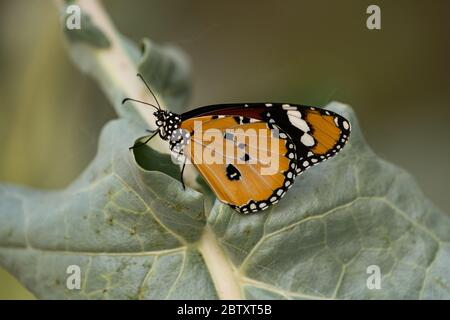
148,87
143,102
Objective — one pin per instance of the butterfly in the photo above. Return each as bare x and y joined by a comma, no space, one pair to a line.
295,138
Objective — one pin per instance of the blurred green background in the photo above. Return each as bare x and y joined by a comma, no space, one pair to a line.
308,52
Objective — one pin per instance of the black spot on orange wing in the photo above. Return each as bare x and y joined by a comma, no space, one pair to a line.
232,172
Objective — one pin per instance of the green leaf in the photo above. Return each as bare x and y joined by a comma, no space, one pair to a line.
135,233
129,230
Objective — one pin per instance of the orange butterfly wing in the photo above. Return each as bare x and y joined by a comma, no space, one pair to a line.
304,136
318,134
248,165
327,131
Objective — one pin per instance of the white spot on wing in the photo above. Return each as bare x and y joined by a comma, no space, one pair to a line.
346,125
288,107
295,118
307,140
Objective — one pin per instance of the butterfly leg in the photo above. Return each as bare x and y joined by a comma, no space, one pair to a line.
182,171
153,133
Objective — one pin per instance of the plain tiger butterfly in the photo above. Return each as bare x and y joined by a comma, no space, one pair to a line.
296,138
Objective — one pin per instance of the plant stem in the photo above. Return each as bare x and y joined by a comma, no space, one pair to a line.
112,67
222,272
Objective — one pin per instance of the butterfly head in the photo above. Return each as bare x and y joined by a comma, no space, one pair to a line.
167,122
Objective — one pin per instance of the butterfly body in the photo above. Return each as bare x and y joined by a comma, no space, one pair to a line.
297,137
